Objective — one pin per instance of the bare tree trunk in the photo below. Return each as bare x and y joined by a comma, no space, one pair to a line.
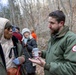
71,14
63,6
12,11
57,4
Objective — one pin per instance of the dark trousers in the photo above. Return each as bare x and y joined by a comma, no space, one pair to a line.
31,73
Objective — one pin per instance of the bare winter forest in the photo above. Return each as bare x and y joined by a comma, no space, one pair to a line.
34,14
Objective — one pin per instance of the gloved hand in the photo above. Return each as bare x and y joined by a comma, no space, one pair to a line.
16,61
25,41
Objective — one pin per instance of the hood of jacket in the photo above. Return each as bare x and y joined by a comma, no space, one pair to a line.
3,22
24,31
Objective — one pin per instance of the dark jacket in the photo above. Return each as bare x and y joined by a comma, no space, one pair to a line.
31,43
61,54
19,52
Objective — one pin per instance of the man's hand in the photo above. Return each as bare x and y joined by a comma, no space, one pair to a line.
38,61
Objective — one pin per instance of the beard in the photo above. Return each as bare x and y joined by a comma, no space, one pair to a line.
54,31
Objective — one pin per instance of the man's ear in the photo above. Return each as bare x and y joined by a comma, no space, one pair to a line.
61,23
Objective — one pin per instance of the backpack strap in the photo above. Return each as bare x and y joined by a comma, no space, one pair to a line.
15,41
2,55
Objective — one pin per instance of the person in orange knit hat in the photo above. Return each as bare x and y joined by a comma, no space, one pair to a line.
33,34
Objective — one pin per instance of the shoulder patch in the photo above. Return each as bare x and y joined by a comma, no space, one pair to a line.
74,48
